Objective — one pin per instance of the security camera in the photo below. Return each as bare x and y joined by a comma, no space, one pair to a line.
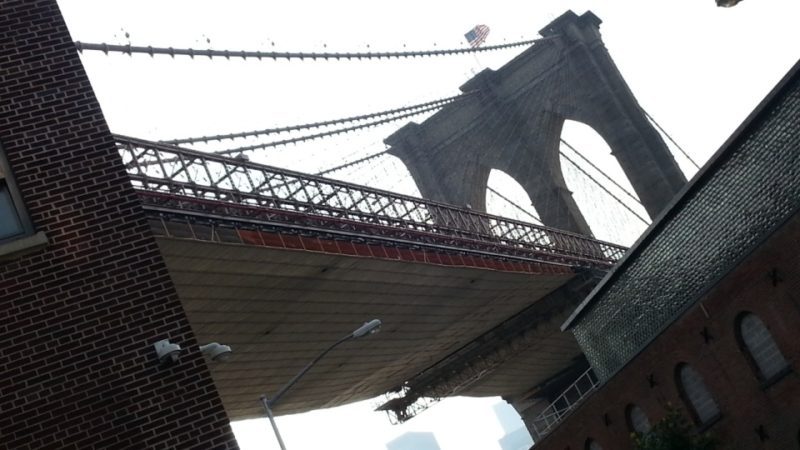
167,352
216,351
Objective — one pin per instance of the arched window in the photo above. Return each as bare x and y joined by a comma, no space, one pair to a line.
591,444
762,351
696,395
637,419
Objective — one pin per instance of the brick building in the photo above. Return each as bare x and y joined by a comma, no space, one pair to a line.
703,312
83,288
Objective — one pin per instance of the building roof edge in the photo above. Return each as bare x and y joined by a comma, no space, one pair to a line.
677,202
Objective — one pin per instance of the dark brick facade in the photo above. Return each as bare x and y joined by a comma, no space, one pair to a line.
741,195
78,318
767,284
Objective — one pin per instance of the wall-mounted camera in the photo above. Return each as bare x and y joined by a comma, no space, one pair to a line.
167,352
216,351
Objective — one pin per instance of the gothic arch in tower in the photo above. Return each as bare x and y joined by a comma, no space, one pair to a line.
512,122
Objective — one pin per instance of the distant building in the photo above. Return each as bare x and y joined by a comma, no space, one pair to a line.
414,440
516,435
703,312
518,439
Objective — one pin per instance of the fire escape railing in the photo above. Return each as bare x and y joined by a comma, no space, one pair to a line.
180,179
564,404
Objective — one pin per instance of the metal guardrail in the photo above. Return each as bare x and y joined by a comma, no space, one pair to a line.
195,181
563,404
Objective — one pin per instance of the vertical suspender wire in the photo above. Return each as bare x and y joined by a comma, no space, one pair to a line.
663,131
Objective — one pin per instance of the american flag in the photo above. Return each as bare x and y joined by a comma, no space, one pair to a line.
477,35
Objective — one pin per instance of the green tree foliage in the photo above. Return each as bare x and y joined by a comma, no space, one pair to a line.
673,432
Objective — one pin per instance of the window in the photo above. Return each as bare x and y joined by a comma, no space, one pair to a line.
16,231
759,346
591,444
637,419
696,395
10,222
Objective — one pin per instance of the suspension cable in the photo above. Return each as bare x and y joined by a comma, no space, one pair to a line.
352,163
605,189
260,55
220,137
670,139
326,133
379,154
513,204
598,169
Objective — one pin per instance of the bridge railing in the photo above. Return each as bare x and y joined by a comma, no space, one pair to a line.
185,175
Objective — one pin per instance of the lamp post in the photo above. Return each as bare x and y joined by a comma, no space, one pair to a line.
370,327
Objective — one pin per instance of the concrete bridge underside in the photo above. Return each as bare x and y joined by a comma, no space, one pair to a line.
278,308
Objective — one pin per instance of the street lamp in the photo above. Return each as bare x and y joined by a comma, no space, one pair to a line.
368,328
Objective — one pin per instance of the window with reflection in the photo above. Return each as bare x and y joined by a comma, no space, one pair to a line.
13,221
637,419
759,346
10,223
696,395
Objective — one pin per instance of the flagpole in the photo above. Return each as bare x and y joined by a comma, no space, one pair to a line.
476,37
475,55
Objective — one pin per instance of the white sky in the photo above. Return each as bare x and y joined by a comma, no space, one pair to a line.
698,69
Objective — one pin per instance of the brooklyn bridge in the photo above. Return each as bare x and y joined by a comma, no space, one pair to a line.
139,240
277,264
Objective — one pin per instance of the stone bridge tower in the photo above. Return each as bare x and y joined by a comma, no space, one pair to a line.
513,123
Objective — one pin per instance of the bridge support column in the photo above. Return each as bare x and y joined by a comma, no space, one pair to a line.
596,94
460,181
513,122
458,172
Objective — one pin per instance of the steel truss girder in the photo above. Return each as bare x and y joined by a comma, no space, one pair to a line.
179,179
481,357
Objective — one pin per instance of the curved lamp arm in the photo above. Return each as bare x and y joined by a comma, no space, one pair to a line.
370,327
308,366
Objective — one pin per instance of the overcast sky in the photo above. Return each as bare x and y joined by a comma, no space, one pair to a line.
698,69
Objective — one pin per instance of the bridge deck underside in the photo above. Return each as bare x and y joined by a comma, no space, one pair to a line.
545,351
279,308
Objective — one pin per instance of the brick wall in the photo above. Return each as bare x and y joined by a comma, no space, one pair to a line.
744,403
78,319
